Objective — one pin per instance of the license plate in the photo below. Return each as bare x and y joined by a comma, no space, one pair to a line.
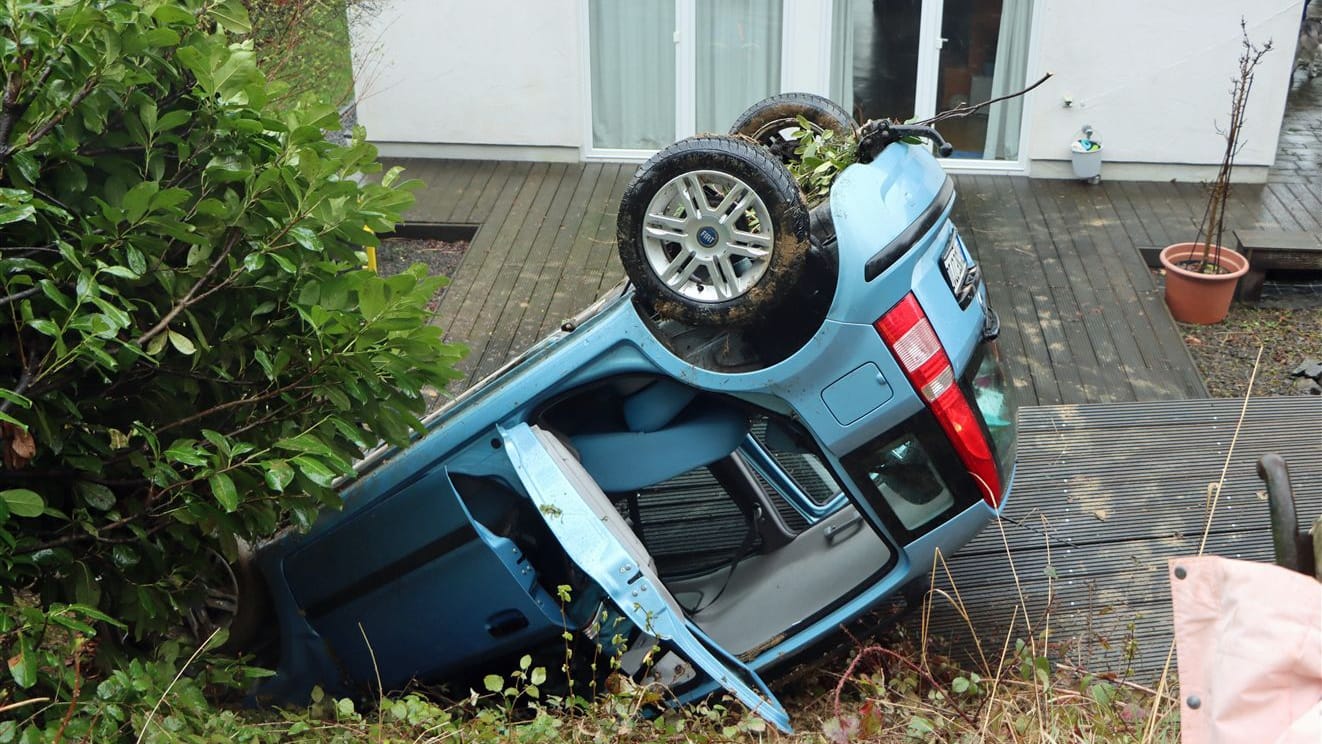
954,265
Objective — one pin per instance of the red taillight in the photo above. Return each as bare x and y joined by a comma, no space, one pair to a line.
910,336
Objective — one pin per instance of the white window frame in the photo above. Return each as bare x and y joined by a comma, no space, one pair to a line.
686,84
686,13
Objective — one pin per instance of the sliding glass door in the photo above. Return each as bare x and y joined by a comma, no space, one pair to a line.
907,59
665,69
633,73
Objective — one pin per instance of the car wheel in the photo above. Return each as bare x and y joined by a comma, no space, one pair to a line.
772,121
712,231
237,601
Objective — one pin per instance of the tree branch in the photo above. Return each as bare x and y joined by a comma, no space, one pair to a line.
959,112
10,111
15,297
45,128
235,404
24,381
190,296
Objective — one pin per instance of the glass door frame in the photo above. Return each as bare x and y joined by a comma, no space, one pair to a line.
928,73
686,84
797,67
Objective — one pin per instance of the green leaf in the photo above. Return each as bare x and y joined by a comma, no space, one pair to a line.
170,14
156,344
23,666
44,326
314,470
124,556
304,443
278,474
96,495
307,238
138,199
232,16
23,502
16,214
181,343
137,262
123,272
160,37
222,487
493,683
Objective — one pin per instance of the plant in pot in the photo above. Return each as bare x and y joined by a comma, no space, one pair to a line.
1201,276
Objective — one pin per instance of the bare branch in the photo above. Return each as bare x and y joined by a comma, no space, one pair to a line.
959,112
15,297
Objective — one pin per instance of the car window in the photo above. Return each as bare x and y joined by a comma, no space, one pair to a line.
690,523
797,455
913,477
906,478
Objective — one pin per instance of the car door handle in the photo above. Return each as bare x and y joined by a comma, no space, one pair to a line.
838,532
506,622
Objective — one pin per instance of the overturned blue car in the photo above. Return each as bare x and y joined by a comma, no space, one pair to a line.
763,434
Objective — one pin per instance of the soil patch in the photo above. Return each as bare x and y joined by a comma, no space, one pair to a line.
441,258
1287,324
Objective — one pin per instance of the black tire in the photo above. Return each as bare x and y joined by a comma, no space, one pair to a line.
750,263
769,121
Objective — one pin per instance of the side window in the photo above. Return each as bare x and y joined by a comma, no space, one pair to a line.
797,455
912,476
690,524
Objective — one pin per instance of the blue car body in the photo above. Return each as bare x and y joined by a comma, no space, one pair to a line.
598,458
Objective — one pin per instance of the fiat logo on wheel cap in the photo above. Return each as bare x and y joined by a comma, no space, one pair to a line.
707,236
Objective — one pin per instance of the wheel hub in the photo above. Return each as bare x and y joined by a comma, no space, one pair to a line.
707,235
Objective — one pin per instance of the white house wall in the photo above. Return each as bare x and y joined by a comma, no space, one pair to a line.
1152,77
506,79
453,77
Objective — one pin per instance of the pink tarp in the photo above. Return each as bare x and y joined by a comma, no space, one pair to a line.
1249,641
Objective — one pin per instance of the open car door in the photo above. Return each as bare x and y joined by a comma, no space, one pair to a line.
598,540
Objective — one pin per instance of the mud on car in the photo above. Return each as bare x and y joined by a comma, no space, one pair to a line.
762,434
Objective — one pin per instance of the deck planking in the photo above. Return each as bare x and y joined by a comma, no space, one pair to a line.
1104,496
1083,321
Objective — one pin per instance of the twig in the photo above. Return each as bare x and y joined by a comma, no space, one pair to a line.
874,649
959,112
24,381
23,704
146,723
15,297
188,298
77,687
45,128
1121,682
380,690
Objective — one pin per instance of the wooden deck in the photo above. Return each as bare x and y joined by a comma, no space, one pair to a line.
544,249
1105,495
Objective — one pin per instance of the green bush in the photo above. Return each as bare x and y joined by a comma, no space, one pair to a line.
192,353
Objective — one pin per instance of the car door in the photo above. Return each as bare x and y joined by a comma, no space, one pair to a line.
597,539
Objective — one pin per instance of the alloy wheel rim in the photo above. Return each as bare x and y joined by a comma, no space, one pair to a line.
708,236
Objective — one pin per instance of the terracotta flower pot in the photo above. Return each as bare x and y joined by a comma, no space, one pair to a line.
1200,298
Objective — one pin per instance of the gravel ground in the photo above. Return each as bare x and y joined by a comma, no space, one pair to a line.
441,258
1287,324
